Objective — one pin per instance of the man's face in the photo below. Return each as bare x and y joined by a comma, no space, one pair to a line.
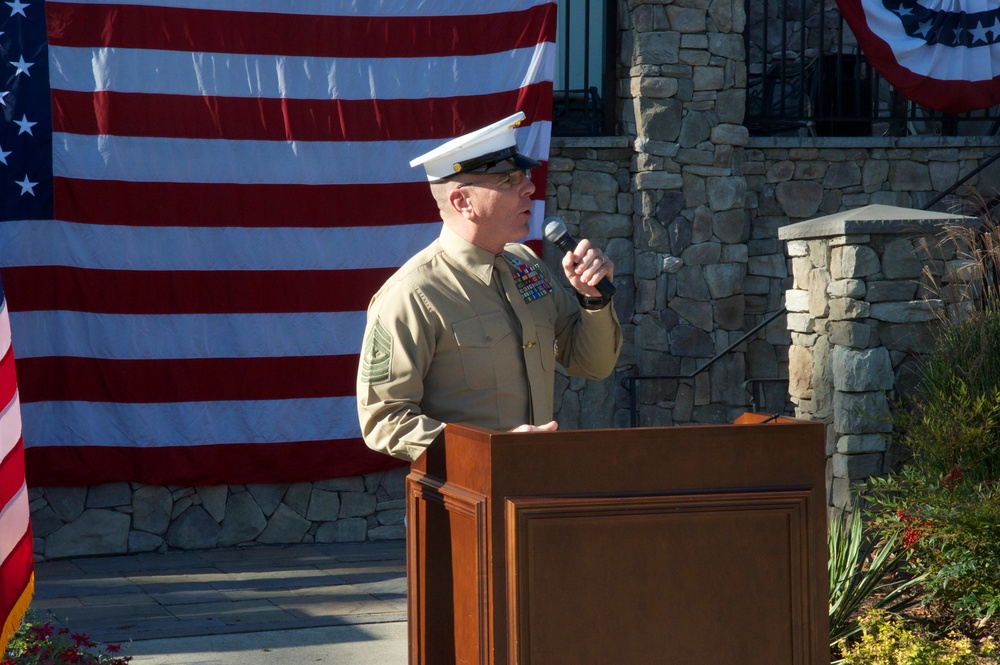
502,203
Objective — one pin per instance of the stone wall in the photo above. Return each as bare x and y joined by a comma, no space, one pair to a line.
120,518
588,186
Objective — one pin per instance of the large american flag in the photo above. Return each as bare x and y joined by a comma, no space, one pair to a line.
190,233
942,54
16,553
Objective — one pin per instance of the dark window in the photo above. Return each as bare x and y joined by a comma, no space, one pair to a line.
806,76
584,86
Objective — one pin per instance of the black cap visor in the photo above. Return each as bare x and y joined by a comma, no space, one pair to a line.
501,161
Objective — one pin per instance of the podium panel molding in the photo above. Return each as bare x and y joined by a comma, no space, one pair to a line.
460,584
592,573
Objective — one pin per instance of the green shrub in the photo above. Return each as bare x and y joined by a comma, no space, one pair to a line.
944,505
863,568
886,640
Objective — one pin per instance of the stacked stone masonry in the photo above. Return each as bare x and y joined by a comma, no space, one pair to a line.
862,310
120,518
681,254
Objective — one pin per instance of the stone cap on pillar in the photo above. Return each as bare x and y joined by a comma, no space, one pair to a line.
873,219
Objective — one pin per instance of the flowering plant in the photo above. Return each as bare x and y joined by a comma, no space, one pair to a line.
44,644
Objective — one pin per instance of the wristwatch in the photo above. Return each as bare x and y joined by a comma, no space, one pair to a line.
593,303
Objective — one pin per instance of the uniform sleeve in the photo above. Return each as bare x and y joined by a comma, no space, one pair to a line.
587,342
399,342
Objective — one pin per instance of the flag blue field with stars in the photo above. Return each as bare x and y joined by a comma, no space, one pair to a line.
26,133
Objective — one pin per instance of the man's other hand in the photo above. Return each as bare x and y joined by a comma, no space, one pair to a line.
550,426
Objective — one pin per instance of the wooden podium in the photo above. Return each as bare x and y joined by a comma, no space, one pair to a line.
683,545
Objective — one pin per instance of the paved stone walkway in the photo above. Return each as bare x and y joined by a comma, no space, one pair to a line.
341,603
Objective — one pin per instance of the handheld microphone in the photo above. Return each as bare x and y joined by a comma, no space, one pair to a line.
556,233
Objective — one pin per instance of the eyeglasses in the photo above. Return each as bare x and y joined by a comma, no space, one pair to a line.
512,179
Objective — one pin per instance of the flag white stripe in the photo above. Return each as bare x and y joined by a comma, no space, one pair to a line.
155,159
113,247
10,426
374,8
294,77
138,336
4,322
68,423
13,522
946,63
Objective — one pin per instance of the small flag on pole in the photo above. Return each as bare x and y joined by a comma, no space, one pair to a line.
16,556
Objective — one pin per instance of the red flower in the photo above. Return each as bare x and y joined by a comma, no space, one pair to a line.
953,479
915,528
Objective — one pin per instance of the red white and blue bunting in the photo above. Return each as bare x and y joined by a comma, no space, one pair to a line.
942,54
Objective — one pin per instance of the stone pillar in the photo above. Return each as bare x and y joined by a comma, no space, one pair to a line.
863,305
686,95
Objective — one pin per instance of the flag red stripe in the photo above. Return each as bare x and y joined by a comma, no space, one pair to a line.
15,571
11,473
8,379
181,29
150,381
44,288
201,465
254,118
121,203
253,205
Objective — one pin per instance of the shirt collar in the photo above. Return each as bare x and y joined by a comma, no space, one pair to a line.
467,256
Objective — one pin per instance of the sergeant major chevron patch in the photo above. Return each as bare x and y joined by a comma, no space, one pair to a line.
376,354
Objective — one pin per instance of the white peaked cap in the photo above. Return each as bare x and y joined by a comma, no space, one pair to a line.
492,149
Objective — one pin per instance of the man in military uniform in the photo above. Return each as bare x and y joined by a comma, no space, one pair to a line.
469,330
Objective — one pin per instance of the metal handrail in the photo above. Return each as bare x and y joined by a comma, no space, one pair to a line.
961,181
630,383
753,386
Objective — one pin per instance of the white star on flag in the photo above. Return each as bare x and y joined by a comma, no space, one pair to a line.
979,33
17,7
22,66
995,28
24,124
4,93
3,155
27,187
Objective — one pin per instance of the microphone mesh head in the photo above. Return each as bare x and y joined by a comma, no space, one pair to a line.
554,228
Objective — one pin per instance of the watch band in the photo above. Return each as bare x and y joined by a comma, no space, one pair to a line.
593,303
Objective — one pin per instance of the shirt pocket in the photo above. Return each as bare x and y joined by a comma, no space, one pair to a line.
546,345
486,345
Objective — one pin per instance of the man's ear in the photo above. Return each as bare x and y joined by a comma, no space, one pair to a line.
461,203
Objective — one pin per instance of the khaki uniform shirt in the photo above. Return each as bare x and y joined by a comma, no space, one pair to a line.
460,335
